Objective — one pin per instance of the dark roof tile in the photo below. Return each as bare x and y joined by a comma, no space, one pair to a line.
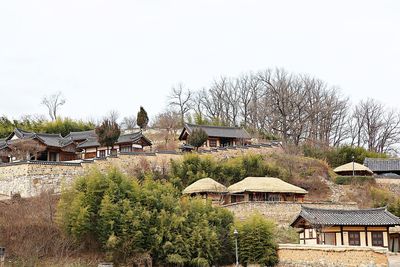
220,131
378,216
382,165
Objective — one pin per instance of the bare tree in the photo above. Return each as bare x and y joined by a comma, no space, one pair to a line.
129,123
25,149
112,115
53,102
168,121
181,99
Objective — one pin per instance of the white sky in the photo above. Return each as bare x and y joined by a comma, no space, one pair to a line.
118,55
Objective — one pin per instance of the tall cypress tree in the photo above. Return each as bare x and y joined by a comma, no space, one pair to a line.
142,118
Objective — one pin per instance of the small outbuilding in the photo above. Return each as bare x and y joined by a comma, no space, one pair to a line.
264,189
207,188
358,227
347,170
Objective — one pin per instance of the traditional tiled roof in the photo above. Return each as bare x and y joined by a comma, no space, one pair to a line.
125,138
326,217
83,135
382,165
53,140
264,184
91,142
3,143
133,137
218,131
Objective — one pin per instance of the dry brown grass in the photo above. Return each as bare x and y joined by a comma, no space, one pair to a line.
30,235
307,173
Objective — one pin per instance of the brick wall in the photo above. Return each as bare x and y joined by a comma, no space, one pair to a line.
331,256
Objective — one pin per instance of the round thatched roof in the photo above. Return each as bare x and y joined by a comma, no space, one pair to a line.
348,167
205,185
265,184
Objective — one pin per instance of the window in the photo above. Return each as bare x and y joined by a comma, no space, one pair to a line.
213,142
354,238
310,233
102,153
126,148
330,238
377,239
53,156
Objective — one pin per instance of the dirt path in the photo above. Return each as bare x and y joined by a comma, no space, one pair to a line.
394,260
337,190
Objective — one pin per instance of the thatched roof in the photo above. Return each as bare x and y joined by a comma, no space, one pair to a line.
348,167
205,185
265,184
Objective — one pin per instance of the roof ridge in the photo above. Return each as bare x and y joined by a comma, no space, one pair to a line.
345,210
214,126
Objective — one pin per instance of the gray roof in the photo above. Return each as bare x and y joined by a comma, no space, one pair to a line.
219,131
3,143
125,138
382,165
326,217
91,142
54,140
83,135
132,137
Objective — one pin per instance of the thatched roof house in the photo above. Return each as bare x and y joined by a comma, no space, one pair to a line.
265,189
207,188
347,169
205,185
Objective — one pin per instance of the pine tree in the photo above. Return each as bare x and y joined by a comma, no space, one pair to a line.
197,138
142,118
108,133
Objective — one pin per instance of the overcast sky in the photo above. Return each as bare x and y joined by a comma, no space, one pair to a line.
118,55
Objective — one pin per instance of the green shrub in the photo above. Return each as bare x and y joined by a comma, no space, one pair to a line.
127,218
346,180
340,155
256,241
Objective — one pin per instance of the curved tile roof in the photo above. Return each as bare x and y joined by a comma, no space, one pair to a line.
377,216
219,131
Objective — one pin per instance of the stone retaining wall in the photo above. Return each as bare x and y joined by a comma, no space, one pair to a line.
291,255
282,212
31,178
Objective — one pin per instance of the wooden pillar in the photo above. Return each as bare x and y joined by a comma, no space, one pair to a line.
366,236
341,234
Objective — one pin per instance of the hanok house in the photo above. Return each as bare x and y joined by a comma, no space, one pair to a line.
207,188
37,146
383,166
133,142
4,151
264,189
348,168
361,227
218,136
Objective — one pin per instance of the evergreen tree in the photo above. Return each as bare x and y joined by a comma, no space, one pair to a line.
142,118
257,242
197,138
108,133
128,219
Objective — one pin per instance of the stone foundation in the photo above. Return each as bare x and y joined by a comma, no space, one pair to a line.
30,178
283,213
331,256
